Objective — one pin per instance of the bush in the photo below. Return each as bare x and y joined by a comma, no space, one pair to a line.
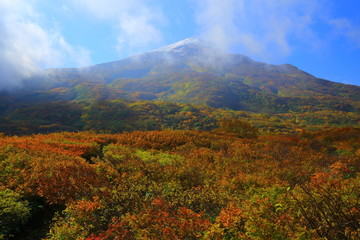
13,213
240,128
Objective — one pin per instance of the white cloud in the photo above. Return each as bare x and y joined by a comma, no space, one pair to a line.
137,32
343,27
26,46
261,28
136,22
218,21
66,9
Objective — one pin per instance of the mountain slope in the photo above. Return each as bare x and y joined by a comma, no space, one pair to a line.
191,71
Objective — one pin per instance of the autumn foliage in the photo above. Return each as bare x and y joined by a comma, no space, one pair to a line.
182,185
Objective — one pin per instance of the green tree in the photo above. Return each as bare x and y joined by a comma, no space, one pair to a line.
13,212
107,116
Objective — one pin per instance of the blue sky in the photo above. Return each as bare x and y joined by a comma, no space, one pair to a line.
321,37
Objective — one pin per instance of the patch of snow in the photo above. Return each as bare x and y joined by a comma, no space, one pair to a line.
180,46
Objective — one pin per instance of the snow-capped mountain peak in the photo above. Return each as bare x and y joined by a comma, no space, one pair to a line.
182,47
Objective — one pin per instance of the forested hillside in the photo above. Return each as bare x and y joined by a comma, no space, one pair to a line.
190,72
122,115
180,185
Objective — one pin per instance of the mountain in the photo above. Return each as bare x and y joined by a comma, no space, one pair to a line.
193,71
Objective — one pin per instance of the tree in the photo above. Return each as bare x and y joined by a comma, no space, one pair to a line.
240,128
13,212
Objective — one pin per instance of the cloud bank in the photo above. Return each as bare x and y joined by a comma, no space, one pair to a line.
26,46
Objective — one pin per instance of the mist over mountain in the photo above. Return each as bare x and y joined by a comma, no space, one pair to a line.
193,71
